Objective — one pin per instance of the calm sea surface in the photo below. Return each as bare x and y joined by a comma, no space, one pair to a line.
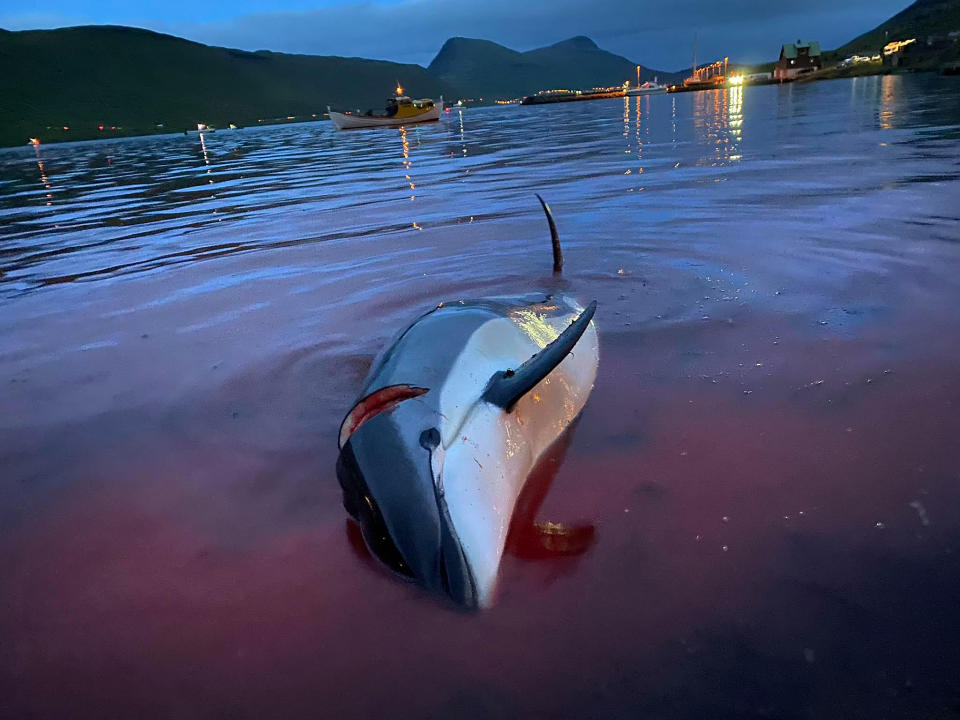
770,458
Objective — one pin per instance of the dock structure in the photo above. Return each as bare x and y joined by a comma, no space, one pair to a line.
714,73
547,98
707,77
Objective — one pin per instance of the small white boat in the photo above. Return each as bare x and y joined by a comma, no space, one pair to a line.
648,88
401,110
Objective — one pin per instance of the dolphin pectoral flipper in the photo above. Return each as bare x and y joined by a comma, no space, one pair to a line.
508,386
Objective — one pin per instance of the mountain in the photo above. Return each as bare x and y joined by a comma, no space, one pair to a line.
486,69
133,81
83,77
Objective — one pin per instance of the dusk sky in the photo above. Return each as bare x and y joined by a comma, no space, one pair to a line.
655,33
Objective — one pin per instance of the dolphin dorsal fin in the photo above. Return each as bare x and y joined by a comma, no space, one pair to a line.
508,386
554,237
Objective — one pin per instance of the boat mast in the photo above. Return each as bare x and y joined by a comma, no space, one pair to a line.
693,71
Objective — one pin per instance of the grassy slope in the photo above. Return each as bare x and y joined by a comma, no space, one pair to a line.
84,76
494,71
922,18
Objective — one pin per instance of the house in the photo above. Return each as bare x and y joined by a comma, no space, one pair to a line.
796,59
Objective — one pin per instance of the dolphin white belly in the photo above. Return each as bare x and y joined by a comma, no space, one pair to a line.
489,456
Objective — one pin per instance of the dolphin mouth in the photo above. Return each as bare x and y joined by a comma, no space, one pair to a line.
362,507
456,577
457,580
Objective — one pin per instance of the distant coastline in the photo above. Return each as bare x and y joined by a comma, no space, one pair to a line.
91,82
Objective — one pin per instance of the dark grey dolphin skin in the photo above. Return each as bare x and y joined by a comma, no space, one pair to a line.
390,463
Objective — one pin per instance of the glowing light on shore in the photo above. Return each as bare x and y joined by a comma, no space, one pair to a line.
896,46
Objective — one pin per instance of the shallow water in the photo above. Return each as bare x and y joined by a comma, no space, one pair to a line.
769,459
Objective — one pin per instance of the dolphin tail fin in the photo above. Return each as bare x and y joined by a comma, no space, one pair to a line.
507,387
557,250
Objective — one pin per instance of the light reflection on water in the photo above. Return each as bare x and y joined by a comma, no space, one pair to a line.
183,321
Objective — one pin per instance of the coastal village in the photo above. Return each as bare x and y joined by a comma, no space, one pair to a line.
798,61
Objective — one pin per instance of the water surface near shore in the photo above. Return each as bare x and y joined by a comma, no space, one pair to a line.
769,457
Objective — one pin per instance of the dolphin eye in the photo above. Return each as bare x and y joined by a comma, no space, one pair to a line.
375,403
430,439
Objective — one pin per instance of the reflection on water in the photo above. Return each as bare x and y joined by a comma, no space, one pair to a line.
112,196
760,509
735,121
636,132
463,142
718,124
888,100
43,175
407,162
206,159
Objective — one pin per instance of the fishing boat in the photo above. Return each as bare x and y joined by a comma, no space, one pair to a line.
650,87
400,110
647,88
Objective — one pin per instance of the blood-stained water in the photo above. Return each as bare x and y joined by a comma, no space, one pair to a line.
764,486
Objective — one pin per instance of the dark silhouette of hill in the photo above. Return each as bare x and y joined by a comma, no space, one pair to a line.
135,79
920,20
486,69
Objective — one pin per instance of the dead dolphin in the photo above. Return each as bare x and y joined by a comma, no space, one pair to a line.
451,419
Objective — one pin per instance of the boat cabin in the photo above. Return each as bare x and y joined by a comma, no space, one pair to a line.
403,106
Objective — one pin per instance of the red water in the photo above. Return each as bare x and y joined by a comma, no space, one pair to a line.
769,461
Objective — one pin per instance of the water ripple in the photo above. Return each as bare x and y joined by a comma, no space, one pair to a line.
99,210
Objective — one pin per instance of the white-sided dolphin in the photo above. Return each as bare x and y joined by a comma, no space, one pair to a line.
451,420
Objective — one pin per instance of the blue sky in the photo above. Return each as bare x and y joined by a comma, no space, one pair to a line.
655,33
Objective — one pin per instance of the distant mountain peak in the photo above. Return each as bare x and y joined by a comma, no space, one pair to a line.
485,69
459,40
578,42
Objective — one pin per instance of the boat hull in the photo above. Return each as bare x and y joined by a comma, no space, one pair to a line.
343,121
646,91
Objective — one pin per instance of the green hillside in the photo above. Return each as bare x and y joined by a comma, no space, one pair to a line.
136,79
920,20
489,70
